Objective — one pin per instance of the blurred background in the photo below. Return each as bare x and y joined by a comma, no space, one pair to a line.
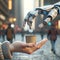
14,12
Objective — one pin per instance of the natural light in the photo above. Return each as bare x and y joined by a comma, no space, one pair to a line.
28,6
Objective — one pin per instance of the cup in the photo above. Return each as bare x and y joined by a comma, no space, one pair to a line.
31,39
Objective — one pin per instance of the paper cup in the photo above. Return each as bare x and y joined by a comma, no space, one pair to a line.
31,39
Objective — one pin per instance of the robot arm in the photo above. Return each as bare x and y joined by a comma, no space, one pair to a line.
51,11
52,14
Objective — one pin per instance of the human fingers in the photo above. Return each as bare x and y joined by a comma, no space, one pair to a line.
41,43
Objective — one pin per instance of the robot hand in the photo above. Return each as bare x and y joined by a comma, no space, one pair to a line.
27,26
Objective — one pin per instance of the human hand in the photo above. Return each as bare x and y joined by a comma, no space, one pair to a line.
27,47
